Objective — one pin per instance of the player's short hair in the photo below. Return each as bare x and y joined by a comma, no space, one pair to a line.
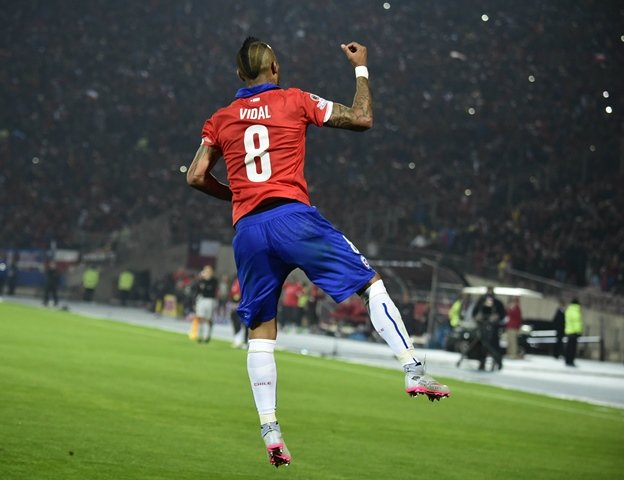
253,57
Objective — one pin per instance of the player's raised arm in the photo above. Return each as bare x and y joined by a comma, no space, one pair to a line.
200,178
360,115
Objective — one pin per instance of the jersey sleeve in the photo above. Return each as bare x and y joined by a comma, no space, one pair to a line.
317,109
209,134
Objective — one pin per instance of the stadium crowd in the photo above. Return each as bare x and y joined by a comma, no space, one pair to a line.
497,136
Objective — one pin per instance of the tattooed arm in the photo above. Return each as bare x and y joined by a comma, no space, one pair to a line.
199,177
360,115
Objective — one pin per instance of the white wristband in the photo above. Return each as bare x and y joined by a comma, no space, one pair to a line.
361,71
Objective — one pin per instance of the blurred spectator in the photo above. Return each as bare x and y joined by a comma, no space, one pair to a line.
512,327
12,277
314,296
302,305
182,282
455,312
241,332
3,275
204,294
51,285
90,280
559,326
573,330
489,314
291,291
223,295
125,282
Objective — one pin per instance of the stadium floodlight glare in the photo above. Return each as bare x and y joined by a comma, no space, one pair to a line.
183,169
484,17
531,78
608,109
471,111
503,291
386,6
605,94
592,148
411,165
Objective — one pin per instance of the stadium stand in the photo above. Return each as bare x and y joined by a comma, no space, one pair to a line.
498,132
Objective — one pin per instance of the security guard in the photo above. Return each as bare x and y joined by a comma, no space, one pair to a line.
124,285
573,330
90,280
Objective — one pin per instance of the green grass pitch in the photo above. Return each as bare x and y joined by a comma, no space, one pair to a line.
95,399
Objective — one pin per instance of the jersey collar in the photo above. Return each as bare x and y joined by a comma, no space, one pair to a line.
256,89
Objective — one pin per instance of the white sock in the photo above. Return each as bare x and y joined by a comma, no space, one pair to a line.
263,377
388,322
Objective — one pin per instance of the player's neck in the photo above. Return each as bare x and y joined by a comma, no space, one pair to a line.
261,79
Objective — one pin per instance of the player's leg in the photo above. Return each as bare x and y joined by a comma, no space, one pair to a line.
202,330
387,321
262,371
197,324
210,313
261,275
334,264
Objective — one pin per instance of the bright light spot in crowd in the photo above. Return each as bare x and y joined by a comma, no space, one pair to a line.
622,38
605,94
471,111
608,109
531,78
412,165
183,169
35,160
467,192
592,148
484,17
386,6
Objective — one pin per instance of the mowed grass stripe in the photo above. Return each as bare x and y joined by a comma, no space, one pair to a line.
83,398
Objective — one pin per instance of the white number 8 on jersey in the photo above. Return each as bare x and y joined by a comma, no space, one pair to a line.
261,133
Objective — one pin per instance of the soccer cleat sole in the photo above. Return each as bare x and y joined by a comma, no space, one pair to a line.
277,456
432,396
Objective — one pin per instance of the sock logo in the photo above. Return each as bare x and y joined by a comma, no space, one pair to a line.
260,384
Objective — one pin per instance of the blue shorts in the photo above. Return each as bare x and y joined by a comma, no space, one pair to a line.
271,244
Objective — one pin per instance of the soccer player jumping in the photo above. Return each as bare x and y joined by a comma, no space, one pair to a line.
261,136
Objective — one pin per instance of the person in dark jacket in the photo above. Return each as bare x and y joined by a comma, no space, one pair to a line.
11,277
489,313
559,327
52,281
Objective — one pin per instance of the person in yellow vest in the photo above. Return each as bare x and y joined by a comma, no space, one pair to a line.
573,330
455,313
124,285
90,280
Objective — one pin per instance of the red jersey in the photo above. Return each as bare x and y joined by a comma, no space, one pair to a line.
262,137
